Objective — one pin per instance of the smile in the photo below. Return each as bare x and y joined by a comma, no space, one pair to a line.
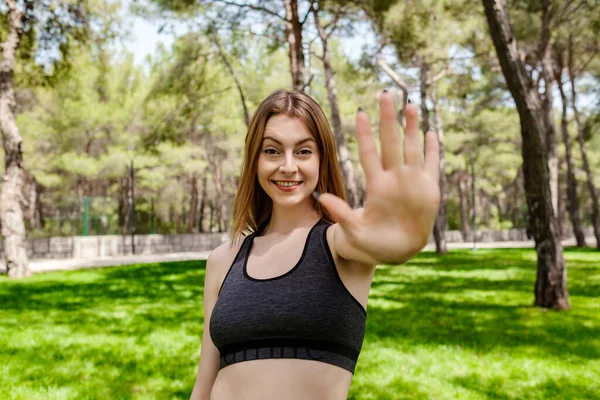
287,186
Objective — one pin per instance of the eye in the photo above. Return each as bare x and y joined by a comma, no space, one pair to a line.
270,149
309,152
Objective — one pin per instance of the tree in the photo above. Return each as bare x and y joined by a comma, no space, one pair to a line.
572,197
414,29
58,23
551,282
330,83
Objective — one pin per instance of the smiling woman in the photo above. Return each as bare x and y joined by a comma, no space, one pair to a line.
284,309
289,140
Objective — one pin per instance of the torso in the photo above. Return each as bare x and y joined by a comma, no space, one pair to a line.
292,379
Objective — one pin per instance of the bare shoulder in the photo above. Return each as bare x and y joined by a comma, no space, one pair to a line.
221,258
226,250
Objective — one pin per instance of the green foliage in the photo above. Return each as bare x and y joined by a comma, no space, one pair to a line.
181,115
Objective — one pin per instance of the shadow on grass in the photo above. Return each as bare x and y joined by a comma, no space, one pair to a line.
116,333
447,303
153,295
549,389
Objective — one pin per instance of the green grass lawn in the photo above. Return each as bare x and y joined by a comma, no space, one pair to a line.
454,327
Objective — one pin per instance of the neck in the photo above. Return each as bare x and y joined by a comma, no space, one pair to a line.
285,220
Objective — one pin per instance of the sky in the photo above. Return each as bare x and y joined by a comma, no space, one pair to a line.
145,38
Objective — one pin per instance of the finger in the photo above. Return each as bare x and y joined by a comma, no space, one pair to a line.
367,150
388,133
338,208
432,155
413,148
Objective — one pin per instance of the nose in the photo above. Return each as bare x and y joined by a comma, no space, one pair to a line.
288,165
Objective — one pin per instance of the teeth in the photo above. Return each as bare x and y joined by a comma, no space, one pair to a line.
287,183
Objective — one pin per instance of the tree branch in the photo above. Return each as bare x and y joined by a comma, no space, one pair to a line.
439,76
252,7
307,84
391,73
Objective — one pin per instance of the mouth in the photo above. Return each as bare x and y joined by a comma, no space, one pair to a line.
287,185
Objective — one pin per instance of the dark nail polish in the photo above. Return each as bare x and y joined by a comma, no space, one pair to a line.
359,109
384,90
410,101
315,194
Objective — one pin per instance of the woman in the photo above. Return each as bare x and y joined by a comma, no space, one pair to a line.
285,306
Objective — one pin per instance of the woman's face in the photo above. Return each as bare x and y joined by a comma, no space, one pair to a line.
288,152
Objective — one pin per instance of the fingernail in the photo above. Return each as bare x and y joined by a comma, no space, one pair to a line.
384,90
359,109
315,194
409,101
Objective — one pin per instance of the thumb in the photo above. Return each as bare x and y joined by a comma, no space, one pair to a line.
338,208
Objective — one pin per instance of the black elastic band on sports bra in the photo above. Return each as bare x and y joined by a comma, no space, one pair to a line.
337,348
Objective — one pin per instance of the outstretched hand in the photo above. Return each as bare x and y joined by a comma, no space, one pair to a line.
402,190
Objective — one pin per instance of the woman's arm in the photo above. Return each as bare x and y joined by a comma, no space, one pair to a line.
208,367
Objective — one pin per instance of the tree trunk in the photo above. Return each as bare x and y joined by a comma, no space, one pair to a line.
202,205
39,216
293,33
218,179
212,212
584,157
463,195
13,227
193,205
572,198
424,71
548,113
551,282
31,197
439,229
338,131
124,205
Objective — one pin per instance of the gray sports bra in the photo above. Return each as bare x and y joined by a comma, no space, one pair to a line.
306,313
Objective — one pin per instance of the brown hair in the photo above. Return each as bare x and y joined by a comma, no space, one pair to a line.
252,206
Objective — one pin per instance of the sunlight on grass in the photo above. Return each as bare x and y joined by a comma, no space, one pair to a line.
459,326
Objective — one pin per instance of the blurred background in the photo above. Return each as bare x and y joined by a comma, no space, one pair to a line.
125,119
155,96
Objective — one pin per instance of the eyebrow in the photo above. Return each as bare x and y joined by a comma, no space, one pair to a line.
296,144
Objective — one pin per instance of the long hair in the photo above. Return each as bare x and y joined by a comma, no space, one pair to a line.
252,206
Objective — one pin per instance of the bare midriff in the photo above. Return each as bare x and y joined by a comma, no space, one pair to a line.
276,379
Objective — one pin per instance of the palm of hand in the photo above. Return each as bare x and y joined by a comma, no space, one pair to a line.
402,195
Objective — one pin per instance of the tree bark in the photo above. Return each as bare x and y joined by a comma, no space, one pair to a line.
293,33
548,113
124,205
551,282
190,223
424,72
338,131
572,198
202,205
11,197
32,198
463,198
584,157
439,229
218,180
